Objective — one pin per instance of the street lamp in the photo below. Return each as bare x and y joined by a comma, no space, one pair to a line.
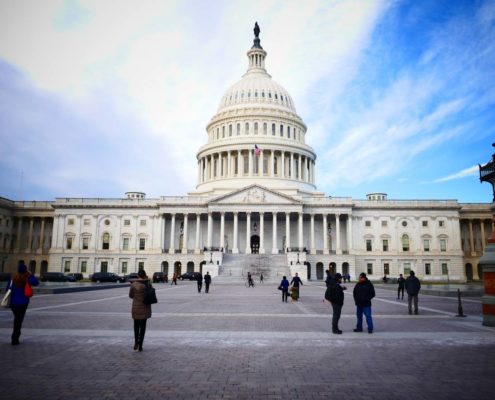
211,257
298,262
487,173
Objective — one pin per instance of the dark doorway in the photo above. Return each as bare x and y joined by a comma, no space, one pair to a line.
44,267
255,244
178,268
165,267
469,272
480,272
332,268
201,265
190,266
319,271
32,266
308,270
345,268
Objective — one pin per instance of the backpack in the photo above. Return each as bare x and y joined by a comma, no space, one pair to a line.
149,295
328,294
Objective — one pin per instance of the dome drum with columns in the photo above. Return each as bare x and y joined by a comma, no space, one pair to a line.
255,208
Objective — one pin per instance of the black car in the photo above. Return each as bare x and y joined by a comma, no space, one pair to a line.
192,276
56,277
132,276
76,275
160,277
106,277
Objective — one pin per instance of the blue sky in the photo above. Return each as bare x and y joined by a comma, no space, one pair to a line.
102,97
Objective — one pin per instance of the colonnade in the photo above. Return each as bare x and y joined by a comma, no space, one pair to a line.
15,242
475,243
263,162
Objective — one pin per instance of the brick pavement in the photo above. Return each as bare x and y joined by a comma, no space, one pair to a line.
244,343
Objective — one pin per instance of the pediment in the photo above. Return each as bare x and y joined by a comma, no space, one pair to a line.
255,194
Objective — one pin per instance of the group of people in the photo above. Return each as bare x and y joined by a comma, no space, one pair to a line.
292,287
207,279
363,292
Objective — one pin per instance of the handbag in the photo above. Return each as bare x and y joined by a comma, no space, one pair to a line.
28,290
149,295
6,299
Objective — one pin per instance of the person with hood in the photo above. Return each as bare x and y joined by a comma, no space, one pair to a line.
364,291
412,288
19,302
337,301
140,311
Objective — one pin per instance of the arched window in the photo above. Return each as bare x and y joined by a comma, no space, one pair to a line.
273,129
281,130
264,128
230,130
105,241
247,128
405,243
238,129
275,163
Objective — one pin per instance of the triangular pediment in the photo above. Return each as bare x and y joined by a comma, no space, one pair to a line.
255,194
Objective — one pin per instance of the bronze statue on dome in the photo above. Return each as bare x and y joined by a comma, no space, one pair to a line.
256,29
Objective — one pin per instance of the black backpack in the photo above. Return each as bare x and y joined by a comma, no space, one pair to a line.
149,295
328,294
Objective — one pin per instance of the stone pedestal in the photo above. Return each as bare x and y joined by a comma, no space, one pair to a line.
488,300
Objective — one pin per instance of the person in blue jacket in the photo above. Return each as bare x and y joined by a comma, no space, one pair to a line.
18,301
284,287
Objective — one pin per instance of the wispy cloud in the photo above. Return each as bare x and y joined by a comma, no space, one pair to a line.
471,171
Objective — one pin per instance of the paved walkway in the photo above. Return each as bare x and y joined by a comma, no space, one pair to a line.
244,343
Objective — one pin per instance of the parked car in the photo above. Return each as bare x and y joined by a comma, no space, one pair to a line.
56,277
76,275
131,277
160,277
192,276
106,277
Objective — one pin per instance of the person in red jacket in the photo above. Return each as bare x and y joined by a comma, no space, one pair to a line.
19,301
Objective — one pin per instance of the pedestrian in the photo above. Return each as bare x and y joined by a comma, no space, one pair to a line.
401,281
261,277
140,311
336,298
174,279
412,288
296,283
19,302
364,291
329,280
284,287
199,279
250,280
207,281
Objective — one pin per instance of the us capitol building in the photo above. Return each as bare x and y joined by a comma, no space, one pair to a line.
255,208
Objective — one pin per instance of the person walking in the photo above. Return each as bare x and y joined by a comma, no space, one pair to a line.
337,301
284,286
207,281
140,311
19,302
412,288
364,291
401,281
250,280
261,277
296,283
174,279
199,279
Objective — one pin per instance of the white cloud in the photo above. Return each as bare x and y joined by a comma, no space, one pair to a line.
471,171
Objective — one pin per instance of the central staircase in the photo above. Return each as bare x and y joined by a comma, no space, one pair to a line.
236,266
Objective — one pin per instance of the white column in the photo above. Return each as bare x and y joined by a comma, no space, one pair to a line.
199,171
210,230
337,234
171,249
300,244
313,247
219,165
248,233
163,233
349,233
299,168
287,231
239,173
262,233
235,249
325,234
282,165
274,236
222,229
260,163
272,162
229,164
18,239
42,235
292,172
184,237
197,250
30,235
482,226
471,240
250,163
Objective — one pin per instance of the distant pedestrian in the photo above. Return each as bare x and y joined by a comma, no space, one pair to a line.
250,280
364,291
199,279
284,287
19,302
174,279
412,288
336,298
207,281
296,283
140,311
401,281
261,277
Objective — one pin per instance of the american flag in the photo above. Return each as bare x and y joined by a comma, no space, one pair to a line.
257,150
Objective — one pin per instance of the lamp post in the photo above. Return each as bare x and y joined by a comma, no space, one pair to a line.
487,262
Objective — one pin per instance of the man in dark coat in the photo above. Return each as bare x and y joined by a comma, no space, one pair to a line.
199,278
412,288
329,280
337,301
207,281
401,281
364,291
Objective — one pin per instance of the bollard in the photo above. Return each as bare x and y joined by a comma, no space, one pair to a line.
459,306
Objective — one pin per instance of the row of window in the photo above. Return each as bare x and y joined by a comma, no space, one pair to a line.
405,242
87,222
407,268
105,242
247,95
235,129
83,266
424,223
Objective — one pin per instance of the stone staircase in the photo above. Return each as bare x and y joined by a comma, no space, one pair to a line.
236,266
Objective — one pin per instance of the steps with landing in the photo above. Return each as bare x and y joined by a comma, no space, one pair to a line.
236,266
